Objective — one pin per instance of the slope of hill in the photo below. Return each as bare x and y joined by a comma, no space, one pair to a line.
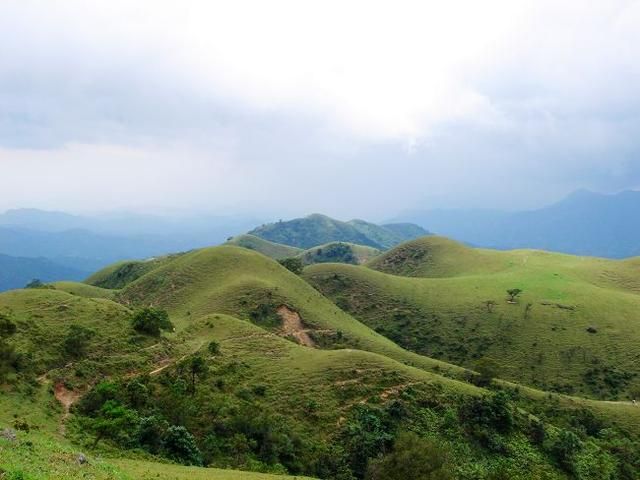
319,229
119,274
339,252
256,377
573,329
16,272
245,284
584,223
270,249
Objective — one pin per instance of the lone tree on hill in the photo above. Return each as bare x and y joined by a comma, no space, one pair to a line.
151,321
197,369
513,294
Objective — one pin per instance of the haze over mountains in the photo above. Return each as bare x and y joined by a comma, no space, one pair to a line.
56,245
584,223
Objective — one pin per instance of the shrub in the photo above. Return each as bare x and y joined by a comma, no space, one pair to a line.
214,347
293,264
564,448
151,321
75,343
494,412
412,458
181,446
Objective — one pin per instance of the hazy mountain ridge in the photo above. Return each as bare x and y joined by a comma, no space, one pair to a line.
584,223
16,272
317,229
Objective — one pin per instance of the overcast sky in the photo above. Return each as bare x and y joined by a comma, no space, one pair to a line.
351,108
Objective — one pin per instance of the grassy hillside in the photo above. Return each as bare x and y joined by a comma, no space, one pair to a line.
122,273
574,329
84,290
245,284
319,229
273,250
339,252
264,373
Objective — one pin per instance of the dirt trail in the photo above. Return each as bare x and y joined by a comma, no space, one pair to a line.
66,398
292,325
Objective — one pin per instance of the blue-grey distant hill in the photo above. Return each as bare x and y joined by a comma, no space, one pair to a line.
16,272
317,229
584,223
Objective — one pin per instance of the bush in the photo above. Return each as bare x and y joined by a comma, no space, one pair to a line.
214,347
564,448
75,343
181,446
293,264
151,321
412,458
492,411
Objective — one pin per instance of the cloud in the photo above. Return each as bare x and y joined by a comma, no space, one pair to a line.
298,106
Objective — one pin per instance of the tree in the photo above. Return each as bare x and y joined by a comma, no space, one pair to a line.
513,294
35,283
412,458
180,445
114,421
151,321
197,369
564,448
75,343
293,264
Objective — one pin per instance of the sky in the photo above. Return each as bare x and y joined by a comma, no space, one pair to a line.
353,109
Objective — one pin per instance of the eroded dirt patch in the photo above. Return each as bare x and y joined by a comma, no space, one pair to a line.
66,398
292,325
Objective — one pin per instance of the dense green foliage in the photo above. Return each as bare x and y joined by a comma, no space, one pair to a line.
294,265
151,321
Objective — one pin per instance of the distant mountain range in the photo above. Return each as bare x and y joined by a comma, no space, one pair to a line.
317,229
16,272
584,223
56,245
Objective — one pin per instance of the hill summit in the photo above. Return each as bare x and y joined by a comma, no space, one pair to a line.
317,229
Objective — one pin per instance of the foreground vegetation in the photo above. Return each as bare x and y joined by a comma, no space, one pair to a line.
223,358
573,328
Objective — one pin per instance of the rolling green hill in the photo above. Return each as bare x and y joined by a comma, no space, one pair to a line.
319,229
273,250
574,329
265,373
122,273
339,252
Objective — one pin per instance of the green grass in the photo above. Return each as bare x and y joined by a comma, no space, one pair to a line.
237,281
152,470
228,294
84,290
430,296
273,250
44,318
120,274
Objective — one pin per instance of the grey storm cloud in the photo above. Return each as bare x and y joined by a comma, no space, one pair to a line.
357,110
